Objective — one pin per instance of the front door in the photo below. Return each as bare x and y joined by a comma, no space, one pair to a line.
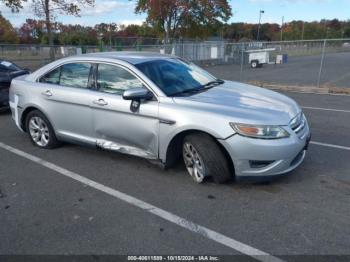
116,126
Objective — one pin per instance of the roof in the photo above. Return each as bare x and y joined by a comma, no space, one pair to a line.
130,57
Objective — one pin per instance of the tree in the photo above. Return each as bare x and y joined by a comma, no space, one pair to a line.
76,35
170,16
107,32
7,32
15,5
49,8
32,31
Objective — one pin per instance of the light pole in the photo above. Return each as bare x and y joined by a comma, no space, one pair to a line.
260,14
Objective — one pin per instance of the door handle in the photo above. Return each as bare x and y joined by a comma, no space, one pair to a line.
100,102
47,93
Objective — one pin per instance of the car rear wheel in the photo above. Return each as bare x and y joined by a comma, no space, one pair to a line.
40,130
204,158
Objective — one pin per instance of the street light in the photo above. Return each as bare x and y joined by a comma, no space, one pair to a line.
260,14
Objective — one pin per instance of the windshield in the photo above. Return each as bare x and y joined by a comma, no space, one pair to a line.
174,76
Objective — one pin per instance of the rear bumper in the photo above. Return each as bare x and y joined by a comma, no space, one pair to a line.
16,111
276,157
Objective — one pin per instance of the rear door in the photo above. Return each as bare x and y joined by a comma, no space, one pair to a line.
66,99
115,125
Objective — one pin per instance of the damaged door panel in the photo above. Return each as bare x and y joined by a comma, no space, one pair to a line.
116,126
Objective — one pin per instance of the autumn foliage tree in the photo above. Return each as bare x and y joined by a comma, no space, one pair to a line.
171,16
49,9
32,31
7,32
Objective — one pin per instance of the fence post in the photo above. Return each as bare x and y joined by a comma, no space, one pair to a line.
322,62
242,61
183,49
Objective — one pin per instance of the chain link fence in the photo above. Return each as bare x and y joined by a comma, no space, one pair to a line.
316,63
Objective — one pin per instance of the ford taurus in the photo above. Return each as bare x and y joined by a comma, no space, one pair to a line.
161,107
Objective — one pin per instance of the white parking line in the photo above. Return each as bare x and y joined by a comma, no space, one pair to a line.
326,109
198,229
330,145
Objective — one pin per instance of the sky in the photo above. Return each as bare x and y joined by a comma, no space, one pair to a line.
122,11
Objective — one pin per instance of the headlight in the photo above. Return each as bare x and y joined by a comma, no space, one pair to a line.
263,132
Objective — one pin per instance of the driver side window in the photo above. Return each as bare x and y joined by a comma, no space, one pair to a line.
115,79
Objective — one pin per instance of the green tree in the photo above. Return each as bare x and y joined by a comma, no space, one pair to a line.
169,16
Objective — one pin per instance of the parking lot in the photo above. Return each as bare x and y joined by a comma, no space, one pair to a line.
79,200
299,71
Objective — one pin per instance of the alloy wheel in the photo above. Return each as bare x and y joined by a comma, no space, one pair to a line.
193,162
39,131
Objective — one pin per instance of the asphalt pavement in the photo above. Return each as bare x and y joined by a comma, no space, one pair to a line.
304,213
299,71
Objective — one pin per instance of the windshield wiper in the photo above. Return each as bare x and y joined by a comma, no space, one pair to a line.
188,91
213,83
201,88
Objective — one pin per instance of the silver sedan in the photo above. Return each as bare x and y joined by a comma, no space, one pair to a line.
161,108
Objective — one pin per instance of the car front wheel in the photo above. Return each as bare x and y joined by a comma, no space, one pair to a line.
40,130
204,158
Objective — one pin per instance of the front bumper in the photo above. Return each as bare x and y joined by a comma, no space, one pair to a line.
278,156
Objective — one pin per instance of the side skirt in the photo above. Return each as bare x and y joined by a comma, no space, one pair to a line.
130,150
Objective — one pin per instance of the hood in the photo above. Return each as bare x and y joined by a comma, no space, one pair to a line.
244,103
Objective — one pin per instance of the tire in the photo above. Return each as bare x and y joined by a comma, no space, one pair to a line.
254,64
209,157
40,130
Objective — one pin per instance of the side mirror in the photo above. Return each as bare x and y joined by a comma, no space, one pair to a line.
137,94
